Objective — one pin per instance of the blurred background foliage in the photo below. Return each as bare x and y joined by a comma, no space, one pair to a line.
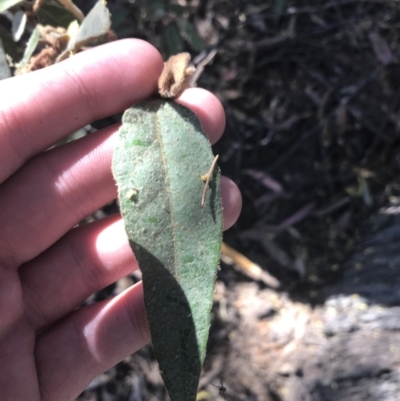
168,25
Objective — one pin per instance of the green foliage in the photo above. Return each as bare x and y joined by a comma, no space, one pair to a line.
9,45
159,19
54,14
173,40
189,33
51,13
170,21
158,163
94,27
30,48
155,10
96,24
6,4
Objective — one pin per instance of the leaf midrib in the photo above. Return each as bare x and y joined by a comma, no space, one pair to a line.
168,190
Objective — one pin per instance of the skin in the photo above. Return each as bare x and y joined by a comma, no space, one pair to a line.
49,350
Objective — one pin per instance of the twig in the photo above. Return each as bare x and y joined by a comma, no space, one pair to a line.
247,267
207,178
37,5
201,65
296,217
332,208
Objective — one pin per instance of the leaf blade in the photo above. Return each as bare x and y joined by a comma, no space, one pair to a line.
94,29
18,25
30,49
6,4
53,13
162,153
189,33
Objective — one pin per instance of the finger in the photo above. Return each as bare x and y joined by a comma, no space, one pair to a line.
11,302
17,369
75,181
90,341
52,193
212,117
84,261
231,202
59,99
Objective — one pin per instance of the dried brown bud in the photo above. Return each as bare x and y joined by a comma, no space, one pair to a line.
175,76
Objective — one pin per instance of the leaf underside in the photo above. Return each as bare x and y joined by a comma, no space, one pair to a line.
158,163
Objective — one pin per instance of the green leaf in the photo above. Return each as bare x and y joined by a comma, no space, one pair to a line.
54,14
189,33
30,48
71,7
158,163
279,6
154,10
173,40
4,68
93,29
96,24
10,47
6,4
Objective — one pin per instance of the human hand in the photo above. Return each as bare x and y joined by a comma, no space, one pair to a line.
49,350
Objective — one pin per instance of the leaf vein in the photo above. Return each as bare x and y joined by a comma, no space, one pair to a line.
167,187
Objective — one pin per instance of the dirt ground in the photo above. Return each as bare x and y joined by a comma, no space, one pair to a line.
312,98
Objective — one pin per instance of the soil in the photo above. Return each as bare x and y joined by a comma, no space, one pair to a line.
312,98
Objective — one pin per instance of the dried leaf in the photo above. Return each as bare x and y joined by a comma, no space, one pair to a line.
246,266
175,76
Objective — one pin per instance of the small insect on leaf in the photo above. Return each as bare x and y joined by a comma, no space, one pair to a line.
132,194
